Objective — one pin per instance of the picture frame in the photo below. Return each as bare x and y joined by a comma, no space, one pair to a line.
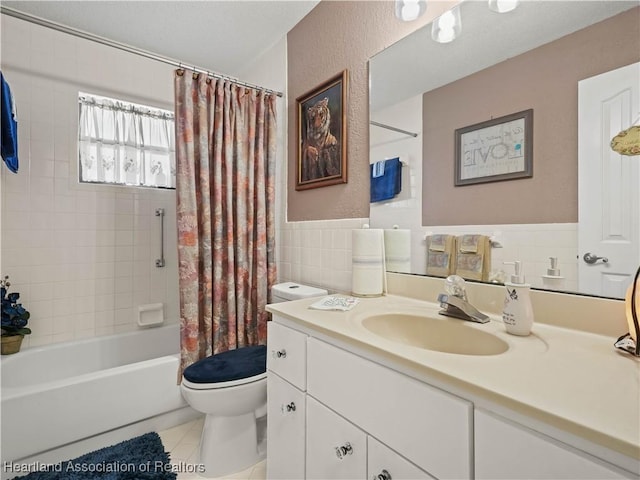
495,150
321,126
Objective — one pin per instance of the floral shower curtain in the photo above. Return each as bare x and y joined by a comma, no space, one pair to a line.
225,156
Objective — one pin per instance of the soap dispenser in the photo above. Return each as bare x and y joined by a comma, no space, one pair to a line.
553,280
517,314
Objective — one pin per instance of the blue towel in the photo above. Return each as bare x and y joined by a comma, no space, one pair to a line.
389,184
9,137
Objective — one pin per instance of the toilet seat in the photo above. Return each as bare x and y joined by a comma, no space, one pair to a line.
215,385
232,368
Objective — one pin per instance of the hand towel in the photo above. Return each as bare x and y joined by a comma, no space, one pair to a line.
334,302
441,255
469,243
473,258
388,184
9,127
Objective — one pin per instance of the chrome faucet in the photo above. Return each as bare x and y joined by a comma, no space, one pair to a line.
454,302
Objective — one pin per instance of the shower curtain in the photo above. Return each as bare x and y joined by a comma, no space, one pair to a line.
225,161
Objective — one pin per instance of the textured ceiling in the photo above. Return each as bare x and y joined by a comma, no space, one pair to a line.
222,36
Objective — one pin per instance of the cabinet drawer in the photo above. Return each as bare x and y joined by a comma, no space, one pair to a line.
287,354
285,429
429,427
383,463
336,449
505,450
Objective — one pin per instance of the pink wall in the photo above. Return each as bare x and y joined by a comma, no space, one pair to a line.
545,79
334,36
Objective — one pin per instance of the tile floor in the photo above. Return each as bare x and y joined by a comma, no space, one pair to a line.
182,443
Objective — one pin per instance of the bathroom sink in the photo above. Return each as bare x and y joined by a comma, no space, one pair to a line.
440,334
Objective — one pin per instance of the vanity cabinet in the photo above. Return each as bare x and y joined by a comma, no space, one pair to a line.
335,447
286,416
384,464
428,426
506,450
347,418
286,402
337,415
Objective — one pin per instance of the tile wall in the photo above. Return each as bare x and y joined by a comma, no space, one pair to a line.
82,257
317,253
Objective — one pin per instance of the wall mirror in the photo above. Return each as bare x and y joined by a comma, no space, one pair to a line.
409,74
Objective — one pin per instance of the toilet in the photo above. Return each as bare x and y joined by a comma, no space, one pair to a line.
230,388
285,292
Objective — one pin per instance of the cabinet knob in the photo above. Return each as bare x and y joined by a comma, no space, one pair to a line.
291,407
383,475
344,450
279,354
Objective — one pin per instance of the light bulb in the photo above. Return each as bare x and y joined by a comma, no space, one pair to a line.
447,20
447,27
503,6
408,10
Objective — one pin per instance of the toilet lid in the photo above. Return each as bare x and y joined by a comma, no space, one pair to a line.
238,365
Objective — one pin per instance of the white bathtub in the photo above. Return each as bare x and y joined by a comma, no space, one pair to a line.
63,393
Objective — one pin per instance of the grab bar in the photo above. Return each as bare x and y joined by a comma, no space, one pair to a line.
160,261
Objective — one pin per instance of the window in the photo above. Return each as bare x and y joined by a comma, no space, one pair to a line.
122,143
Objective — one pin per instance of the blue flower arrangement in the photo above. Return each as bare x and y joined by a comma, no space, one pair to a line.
14,315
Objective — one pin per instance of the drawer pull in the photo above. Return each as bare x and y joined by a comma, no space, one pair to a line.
289,408
383,475
279,354
344,450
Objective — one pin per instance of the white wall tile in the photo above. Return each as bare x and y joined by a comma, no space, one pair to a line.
83,255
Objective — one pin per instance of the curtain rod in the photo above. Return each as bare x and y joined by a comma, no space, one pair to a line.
389,127
127,48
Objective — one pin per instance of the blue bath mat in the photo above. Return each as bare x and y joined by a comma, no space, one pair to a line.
140,458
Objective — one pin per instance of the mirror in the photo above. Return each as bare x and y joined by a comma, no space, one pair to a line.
408,76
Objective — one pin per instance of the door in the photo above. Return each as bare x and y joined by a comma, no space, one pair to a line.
336,449
285,429
608,183
505,450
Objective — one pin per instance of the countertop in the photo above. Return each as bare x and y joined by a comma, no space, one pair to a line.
571,380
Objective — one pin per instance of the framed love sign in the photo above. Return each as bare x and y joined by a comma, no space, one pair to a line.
495,150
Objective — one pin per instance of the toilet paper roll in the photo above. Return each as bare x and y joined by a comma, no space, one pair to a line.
397,250
368,270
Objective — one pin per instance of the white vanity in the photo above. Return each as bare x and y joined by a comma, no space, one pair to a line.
346,402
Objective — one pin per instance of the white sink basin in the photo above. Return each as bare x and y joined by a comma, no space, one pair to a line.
441,334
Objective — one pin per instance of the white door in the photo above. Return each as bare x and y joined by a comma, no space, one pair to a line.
608,183
336,449
286,416
505,450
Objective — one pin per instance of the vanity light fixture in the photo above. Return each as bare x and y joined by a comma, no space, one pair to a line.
409,10
503,6
627,143
447,26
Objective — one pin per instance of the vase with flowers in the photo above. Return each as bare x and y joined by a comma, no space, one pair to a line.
14,318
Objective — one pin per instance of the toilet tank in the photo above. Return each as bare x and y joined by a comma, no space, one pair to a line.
285,292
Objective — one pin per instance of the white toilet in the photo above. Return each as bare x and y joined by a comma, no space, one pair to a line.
284,292
231,389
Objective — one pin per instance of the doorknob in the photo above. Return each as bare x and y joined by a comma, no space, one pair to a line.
590,258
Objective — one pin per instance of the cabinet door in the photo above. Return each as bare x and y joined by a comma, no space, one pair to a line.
385,464
287,354
336,449
505,450
285,429
428,426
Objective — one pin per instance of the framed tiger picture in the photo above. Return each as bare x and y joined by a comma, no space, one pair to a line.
322,135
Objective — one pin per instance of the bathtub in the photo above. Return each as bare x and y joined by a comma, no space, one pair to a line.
56,395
